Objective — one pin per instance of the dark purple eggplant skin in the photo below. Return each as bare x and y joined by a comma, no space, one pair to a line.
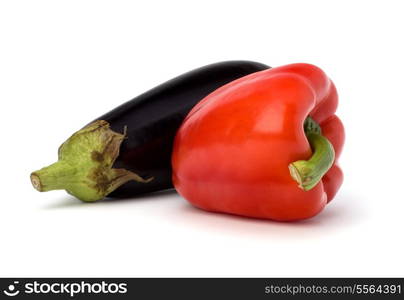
153,118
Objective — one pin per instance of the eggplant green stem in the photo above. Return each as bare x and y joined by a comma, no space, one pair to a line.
308,173
84,168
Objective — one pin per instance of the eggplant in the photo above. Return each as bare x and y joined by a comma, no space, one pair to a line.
127,151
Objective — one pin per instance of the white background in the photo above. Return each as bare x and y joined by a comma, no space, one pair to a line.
64,63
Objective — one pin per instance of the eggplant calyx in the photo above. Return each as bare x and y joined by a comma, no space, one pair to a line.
84,168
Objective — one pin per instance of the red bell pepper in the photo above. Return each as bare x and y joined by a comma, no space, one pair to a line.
265,146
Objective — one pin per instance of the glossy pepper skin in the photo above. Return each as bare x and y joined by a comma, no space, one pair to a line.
235,151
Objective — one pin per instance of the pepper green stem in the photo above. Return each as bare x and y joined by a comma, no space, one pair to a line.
308,173
84,168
